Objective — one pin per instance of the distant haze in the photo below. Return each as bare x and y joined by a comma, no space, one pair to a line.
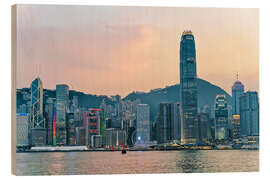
108,50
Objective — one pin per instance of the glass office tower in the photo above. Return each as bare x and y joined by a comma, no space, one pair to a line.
249,114
221,118
188,89
168,124
62,102
37,120
38,133
143,124
237,91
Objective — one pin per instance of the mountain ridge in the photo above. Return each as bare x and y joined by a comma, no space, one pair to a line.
206,96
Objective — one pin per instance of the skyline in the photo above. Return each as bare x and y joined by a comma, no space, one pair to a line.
138,49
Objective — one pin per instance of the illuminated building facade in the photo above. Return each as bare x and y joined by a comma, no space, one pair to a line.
91,121
221,118
143,124
54,123
236,128
62,103
188,89
249,114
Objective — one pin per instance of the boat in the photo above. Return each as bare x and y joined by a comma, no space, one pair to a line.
112,149
124,151
251,146
223,147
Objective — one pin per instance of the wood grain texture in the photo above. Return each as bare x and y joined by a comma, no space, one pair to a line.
13,86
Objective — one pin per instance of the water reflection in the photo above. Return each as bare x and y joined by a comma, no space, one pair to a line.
55,166
190,161
187,161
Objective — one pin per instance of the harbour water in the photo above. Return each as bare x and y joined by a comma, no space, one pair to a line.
186,161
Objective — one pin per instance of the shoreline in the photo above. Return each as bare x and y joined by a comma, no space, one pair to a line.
42,151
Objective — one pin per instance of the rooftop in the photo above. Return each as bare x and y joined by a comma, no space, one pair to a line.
237,83
188,32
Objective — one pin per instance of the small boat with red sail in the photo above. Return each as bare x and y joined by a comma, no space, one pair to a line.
124,151
112,149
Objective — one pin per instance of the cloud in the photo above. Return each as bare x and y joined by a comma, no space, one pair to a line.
116,50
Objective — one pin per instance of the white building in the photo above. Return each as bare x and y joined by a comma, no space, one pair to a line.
143,124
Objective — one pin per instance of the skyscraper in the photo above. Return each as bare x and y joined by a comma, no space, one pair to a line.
236,128
143,124
188,89
237,91
37,121
62,103
221,118
115,137
204,128
74,108
80,135
22,129
249,114
102,117
91,121
168,124
49,108
71,139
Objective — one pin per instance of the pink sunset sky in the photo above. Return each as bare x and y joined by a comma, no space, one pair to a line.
109,50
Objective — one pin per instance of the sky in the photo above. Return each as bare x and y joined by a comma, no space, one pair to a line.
109,50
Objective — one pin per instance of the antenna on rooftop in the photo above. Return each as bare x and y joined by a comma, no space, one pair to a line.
38,69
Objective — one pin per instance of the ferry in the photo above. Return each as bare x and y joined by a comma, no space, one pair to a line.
223,147
251,146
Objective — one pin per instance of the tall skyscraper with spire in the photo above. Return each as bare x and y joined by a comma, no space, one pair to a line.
188,89
37,120
237,90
